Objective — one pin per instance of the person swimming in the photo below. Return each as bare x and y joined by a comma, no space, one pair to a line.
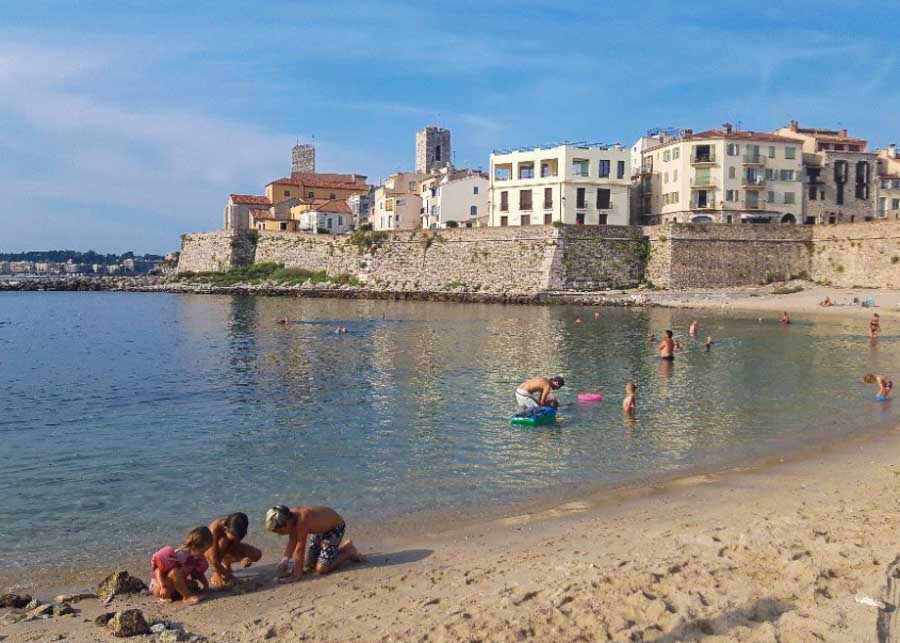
784,319
630,401
885,385
709,343
874,326
666,347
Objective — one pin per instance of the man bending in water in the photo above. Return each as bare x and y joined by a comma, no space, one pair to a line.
535,392
666,347
324,528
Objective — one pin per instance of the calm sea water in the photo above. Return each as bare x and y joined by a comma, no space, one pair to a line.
127,418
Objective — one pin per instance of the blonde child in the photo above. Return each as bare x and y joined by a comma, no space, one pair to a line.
177,573
630,400
885,385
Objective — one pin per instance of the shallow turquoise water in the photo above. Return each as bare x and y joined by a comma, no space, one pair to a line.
127,418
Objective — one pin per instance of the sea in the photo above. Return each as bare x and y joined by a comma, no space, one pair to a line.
128,418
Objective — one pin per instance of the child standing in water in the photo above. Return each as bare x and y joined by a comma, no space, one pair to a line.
177,573
630,401
885,385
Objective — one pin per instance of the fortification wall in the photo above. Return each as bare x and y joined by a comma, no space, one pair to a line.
866,254
215,251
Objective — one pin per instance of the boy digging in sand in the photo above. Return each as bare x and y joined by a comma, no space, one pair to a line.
227,548
179,573
324,528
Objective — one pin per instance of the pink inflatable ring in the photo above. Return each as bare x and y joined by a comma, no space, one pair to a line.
590,397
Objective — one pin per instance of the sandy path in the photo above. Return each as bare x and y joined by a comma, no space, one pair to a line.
775,552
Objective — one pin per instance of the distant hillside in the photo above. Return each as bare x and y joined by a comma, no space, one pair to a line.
62,256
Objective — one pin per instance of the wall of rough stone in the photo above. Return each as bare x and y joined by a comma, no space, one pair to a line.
857,254
597,258
215,251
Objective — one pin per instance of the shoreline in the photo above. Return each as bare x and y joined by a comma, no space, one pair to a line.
822,515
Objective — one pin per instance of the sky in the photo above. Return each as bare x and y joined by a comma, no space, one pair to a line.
125,124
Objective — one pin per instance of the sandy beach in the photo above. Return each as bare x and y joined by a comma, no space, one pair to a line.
776,550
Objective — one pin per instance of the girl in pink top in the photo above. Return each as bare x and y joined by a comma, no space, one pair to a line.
178,572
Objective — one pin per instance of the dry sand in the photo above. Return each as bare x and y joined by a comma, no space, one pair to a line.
775,551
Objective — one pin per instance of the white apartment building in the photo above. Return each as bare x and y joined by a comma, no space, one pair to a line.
723,176
397,203
888,184
652,138
569,184
455,195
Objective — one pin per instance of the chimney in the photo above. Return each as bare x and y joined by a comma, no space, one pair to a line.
892,151
795,126
727,127
843,133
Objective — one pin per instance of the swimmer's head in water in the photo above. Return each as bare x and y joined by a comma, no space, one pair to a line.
868,378
669,334
557,382
630,388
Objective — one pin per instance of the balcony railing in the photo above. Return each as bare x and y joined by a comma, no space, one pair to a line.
704,158
753,181
754,159
697,205
703,182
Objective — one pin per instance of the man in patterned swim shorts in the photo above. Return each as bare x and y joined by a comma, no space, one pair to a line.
323,527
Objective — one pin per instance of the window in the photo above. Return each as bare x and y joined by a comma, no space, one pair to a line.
526,171
547,170
674,175
813,192
601,219
504,201
732,172
665,177
579,198
579,218
604,169
504,221
770,197
287,193
473,210
790,152
839,194
733,149
751,199
840,171
620,169
330,223
895,204
603,199
771,174
862,180
548,218
525,219
666,155
311,195
731,195
475,189
548,198
729,218
771,151
580,167
676,153
787,175
502,173
524,199
788,198
340,220
702,176
283,225
437,152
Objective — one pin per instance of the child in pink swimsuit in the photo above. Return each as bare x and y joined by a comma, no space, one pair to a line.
177,573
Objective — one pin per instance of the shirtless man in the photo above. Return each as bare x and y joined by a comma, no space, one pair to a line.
535,392
227,549
874,326
666,347
692,330
785,319
324,528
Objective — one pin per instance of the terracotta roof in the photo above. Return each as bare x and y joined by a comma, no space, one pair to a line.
264,214
249,199
840,139
334,205
318,183
327,176
746,136
889,176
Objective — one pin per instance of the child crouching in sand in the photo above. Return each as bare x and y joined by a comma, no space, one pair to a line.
179,573
885,385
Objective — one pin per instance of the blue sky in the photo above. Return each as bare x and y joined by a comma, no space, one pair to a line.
124,124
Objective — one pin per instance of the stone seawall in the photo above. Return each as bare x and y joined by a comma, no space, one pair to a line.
857,255
515,259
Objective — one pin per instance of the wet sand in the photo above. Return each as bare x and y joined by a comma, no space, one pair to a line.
773,552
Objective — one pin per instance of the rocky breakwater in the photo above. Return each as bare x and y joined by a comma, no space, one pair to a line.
83,283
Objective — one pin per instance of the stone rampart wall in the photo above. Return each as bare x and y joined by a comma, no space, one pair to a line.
866,254
215,251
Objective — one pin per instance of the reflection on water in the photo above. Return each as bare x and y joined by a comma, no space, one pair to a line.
125,419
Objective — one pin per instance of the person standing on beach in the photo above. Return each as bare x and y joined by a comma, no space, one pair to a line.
535,392
227,548
323,527
666,347
874,326
885,385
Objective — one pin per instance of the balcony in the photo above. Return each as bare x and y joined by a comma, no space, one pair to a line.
704,158
754,159
753,182
703,182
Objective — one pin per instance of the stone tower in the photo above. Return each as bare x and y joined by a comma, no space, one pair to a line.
433,149
303,159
